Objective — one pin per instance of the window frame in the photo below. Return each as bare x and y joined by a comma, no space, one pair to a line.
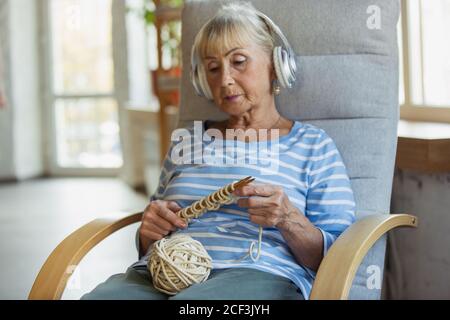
408,111
49,97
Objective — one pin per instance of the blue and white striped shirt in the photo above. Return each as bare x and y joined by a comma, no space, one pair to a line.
308,167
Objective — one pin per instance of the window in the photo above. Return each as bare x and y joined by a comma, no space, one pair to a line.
425,54
80,84
141,57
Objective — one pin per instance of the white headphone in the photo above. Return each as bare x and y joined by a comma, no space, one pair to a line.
283,60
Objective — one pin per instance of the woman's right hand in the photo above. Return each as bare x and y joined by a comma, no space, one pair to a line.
158,220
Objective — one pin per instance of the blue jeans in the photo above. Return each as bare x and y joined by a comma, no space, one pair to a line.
222,284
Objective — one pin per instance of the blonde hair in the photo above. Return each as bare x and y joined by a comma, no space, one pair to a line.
235,23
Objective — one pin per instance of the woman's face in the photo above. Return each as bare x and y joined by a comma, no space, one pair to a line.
240,79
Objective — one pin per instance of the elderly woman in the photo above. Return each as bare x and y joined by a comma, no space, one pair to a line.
303,205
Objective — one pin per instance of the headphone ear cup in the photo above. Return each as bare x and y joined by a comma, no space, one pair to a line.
289,67
284,66
277,62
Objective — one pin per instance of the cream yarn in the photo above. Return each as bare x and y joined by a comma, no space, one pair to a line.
178,262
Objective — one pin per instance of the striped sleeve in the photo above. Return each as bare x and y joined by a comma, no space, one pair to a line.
330,204
164,177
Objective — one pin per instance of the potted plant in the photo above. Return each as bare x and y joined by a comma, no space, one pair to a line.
165,15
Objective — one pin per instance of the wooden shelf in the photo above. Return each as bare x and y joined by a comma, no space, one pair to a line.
423,146
166,83
165,13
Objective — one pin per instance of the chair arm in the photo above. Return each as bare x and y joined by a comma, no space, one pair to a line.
55,272
338,268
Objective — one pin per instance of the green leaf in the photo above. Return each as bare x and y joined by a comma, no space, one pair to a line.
149,17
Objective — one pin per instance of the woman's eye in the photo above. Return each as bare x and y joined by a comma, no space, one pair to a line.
214,69
239,62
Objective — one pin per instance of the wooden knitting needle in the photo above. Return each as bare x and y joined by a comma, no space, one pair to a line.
187,212
244,182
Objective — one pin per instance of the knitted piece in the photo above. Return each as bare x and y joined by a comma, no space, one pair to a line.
213,201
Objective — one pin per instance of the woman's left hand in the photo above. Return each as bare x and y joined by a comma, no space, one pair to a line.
267,205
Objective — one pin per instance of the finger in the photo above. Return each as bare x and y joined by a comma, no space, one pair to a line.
151,218
259,189
253,202
259,212
155,223
147,211
170,216
154,227
163,225
151,235
172,205
260,220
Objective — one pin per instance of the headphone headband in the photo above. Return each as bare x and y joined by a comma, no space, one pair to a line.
275,29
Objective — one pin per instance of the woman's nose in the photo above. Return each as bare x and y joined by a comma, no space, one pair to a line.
227,78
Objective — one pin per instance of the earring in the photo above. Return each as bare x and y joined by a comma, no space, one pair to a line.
276,90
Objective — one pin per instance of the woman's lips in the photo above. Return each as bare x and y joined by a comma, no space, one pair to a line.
232,98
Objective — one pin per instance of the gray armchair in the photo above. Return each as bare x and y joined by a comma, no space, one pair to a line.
347,85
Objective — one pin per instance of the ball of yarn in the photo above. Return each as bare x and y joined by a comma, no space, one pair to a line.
177,262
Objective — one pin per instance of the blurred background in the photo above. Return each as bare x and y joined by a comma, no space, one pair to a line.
89,94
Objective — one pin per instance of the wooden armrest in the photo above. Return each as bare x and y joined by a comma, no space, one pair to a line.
338,268
55,272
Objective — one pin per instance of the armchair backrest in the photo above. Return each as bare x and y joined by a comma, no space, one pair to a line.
347,84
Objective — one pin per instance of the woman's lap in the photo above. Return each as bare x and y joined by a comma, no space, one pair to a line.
135,284
242,284
223,284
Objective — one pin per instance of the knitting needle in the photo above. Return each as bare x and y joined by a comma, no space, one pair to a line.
243,182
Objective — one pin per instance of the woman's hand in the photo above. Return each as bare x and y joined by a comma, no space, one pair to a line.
267,205
158,220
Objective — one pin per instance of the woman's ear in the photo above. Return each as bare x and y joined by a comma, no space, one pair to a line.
272,73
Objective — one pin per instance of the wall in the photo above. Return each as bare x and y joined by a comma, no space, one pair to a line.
6,150
25,84
20,121
419,259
